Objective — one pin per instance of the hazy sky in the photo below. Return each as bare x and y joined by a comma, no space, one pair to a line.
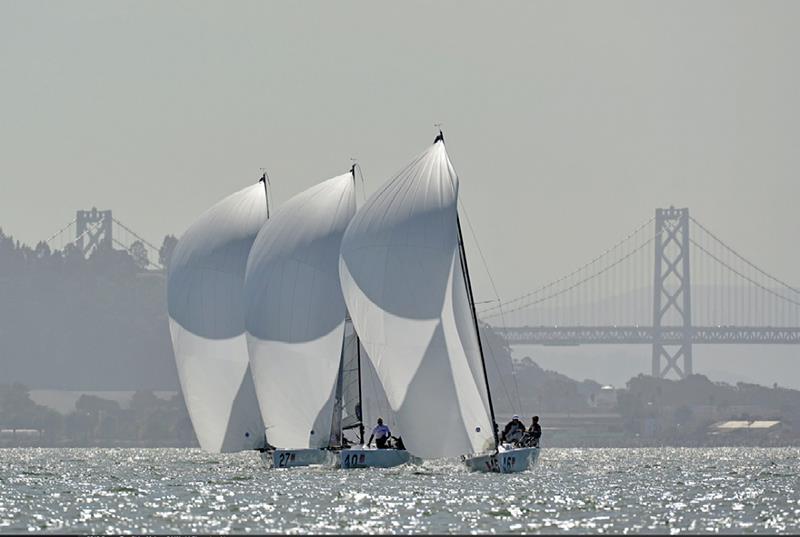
568,122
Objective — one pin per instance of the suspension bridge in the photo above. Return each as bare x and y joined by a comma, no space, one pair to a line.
92,230
670,283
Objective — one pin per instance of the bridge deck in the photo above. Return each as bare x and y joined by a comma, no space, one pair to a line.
593,335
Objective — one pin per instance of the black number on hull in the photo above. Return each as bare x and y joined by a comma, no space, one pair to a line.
283,459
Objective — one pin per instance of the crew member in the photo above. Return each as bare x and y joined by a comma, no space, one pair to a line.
534,432
381,434
513,431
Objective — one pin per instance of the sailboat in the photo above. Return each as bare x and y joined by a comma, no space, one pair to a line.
295,317
303,351
406,284
360,405
205,283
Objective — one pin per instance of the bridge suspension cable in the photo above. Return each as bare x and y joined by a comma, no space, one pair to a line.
60,231
129,230
577,283
616,288
95,226
742,258
555,282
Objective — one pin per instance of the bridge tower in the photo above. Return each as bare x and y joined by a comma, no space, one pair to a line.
93,230
672,298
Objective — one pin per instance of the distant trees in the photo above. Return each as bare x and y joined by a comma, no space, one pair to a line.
75,323
149,420
139,254
524,387
18,411
165,252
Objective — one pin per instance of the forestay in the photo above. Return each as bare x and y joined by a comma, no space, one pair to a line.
295,313
206,318
402,279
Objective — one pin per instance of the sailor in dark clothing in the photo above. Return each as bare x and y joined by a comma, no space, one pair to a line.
534,432
513,431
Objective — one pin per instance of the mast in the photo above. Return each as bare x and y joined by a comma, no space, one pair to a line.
358,355
465,272
360,403
336,422
264,180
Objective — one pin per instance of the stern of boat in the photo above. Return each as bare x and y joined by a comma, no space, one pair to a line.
503,462
372,458
293,458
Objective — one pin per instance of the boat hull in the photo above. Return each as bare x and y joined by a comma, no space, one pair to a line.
372,458
505,462
293,458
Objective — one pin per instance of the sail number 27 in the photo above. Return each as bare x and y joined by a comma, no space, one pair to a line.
284,458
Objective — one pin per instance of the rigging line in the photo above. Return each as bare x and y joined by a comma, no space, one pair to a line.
746,278
129,230
576,284
590,263
60,231
773,278
497,297
480,252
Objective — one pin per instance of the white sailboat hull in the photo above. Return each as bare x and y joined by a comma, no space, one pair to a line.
372,458
293,458
504,462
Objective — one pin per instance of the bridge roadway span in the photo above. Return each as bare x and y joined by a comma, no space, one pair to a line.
594,335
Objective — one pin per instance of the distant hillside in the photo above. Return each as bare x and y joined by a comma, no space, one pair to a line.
82,324
100,324
526,388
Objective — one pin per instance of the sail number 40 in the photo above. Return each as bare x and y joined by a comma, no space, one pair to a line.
353,460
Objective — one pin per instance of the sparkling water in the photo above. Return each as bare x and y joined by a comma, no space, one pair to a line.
570,490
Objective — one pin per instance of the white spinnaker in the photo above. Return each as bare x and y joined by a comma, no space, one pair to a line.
403,284
295,313
206,319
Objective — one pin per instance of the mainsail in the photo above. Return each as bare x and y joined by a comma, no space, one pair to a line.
402,275
206,318
351,379
363,400
295,313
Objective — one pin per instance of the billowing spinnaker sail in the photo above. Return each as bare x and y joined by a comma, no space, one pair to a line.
295,313
403,284
206,319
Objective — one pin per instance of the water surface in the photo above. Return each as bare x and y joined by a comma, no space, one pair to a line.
569,490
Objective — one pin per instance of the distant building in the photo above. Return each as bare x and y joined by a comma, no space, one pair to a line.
604,398
744,425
